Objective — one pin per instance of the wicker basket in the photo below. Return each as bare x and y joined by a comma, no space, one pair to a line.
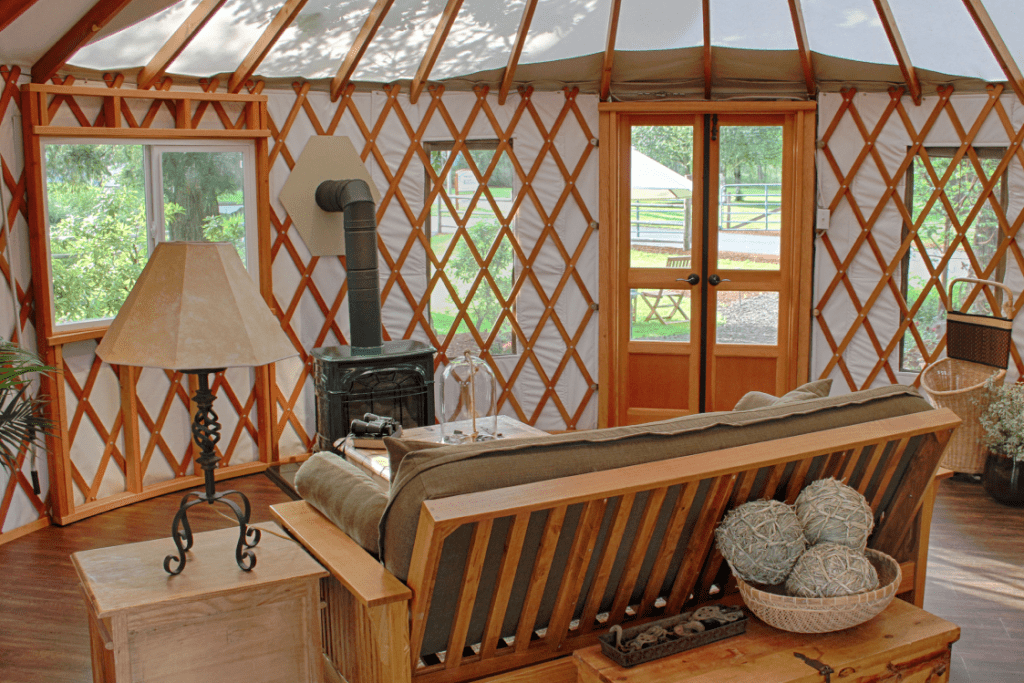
823,615
960,386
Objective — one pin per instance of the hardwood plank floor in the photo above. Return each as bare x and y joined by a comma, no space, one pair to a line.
975,579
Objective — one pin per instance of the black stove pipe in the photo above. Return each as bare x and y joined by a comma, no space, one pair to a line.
354,199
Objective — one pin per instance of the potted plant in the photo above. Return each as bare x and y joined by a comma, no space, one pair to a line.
21,416
1003,425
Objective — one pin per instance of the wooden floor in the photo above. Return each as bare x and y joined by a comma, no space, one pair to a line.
975,579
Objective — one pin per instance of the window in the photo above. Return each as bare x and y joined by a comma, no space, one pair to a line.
937,247
108,205
472,244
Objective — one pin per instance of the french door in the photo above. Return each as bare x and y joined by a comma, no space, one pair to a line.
707,227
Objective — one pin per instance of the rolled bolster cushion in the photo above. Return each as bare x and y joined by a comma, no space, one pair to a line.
345,494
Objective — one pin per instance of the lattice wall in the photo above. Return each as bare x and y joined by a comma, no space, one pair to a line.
867,142
21,509
549,139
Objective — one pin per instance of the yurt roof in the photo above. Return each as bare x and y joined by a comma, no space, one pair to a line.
620,48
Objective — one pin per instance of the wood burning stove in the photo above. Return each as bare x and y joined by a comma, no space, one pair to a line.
391,378
397,381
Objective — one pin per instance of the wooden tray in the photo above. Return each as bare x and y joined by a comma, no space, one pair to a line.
714,630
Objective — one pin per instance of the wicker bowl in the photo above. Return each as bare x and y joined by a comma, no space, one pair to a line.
823,615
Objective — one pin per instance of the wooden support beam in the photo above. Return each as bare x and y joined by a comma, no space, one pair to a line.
451,11
517,51
12,9
188,30
609,50
902,56
358,49
72,41
706,10
285,16
803,46
998,47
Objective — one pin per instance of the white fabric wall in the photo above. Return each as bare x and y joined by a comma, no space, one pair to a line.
394,140
868,187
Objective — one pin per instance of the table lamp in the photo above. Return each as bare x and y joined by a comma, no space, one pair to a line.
195,309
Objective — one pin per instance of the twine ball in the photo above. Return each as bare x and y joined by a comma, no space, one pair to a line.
761,540
832,512
830,570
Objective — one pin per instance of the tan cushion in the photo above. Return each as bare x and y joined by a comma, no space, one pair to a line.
806,392
399,448
345,494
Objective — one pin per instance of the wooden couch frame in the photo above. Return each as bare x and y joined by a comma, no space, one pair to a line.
373,624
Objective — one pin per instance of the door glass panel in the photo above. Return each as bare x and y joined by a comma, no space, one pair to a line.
661,205
750,198
659,315
747,318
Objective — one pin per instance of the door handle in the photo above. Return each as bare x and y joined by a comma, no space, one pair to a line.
714,280
693,279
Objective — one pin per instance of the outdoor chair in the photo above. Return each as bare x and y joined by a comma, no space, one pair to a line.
664,303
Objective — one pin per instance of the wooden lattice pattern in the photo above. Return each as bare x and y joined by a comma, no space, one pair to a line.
12,182
867,217
285,244
121,442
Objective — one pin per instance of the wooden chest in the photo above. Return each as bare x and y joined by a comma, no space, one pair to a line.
903,644
213,622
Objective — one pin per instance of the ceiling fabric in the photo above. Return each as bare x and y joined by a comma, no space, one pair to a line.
655,42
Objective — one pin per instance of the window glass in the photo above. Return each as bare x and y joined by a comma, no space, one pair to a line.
96,203
471,243
938,237
102,225
204,197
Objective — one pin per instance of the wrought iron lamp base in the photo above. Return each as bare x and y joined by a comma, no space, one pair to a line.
181,531
206,433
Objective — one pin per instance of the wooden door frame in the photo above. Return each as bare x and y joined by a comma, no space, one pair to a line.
614,131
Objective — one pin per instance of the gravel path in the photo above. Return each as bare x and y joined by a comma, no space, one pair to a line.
754,319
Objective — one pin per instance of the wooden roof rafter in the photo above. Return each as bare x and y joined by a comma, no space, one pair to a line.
706,12
178,41
359,45
609,50
281,21
448,16
76,37
517,51
995,43
12,9
803,46
899,48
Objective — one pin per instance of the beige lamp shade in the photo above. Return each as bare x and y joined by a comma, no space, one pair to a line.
195,307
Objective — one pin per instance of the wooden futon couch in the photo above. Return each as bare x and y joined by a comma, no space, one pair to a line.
500,559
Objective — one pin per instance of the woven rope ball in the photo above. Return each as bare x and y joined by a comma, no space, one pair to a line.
830,570
761,540
832,512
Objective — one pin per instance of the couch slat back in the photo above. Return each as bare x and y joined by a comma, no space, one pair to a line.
666,563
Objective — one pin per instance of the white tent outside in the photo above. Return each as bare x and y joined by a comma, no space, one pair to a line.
652,180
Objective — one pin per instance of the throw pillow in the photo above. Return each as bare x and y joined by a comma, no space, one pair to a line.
345,494
806,392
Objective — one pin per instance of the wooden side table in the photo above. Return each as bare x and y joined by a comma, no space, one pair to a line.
213,622
375,460
903,643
